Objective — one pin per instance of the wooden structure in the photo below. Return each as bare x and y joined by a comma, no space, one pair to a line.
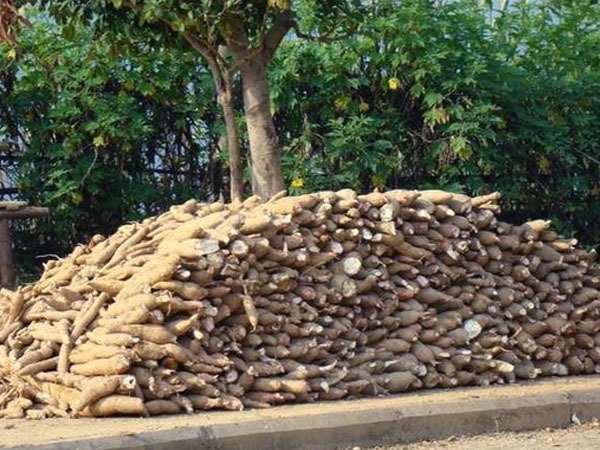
12,210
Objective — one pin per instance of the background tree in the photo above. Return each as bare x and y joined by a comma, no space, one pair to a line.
10,18
233,36
106,138
455,95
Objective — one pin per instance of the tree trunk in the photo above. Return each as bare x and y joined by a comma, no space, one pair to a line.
233,144
223,78
7,270
265,151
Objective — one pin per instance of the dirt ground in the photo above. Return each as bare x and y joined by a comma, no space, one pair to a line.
584,437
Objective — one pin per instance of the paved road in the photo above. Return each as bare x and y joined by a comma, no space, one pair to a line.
585,437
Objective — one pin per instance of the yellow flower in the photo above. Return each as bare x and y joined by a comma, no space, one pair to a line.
98,141
298,183
364,106
394,83
341,103
544,164
12,53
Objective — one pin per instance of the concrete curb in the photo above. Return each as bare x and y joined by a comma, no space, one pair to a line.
385,421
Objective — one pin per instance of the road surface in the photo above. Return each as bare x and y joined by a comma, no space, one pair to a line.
584,437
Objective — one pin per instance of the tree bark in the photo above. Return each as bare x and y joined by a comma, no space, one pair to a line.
7,270
223,78
233,144
265,151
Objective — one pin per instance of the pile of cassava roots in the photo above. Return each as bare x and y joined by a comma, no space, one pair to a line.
323,296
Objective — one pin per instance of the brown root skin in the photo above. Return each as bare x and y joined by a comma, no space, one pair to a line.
50,333
152,272
106,285
160,407
94,391
120,252
9,329
15,409
17,300
187,290
104,337
88,315
318,297
91,351
183,326
115,405
195,228
46,351
40,366
115,365
138,315
63,357
151,333
66,396
149,301
250,310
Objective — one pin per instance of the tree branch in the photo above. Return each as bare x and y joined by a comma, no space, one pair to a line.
238,38
212,59
10,18
326,38
283,22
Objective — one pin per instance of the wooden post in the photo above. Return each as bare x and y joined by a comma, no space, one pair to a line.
28,212
13,211
7,270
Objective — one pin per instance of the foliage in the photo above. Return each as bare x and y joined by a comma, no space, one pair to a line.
108,137
402,94
457,96
231,36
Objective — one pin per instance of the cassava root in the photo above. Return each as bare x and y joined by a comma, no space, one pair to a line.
318,297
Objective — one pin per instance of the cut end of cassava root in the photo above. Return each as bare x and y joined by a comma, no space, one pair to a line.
322,296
